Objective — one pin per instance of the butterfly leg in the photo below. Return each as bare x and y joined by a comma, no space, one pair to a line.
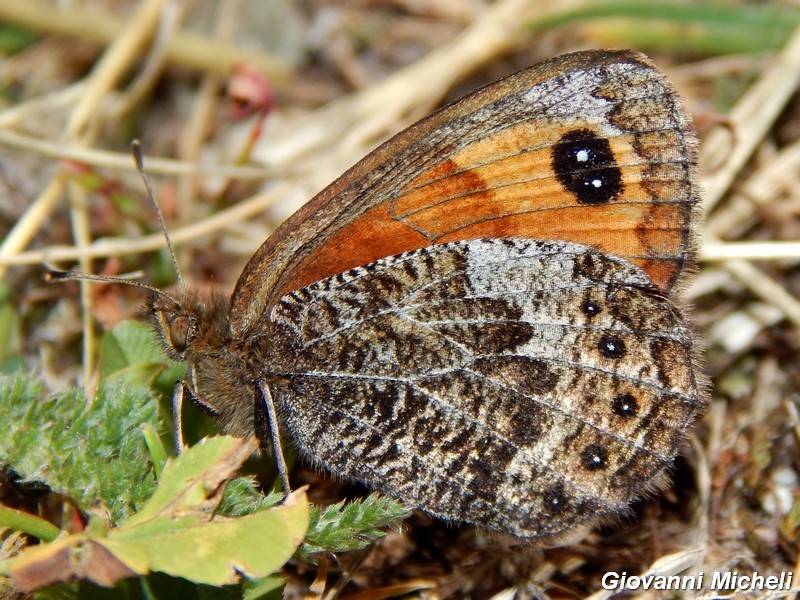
266,425
183,387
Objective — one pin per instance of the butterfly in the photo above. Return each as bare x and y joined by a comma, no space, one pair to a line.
479,318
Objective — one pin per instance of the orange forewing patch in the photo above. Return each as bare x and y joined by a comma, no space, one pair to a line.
374,235
504,186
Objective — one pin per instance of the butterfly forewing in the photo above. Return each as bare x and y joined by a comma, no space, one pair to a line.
524,382
591,147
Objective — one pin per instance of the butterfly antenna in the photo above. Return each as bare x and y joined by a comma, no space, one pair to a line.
137,156
57,275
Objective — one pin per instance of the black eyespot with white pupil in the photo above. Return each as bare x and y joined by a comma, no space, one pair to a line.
555,501
590,308
611,346
594,457
625,406
584,164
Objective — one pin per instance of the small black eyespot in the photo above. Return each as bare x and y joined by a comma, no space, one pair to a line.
594,457
625,405
590,308
611,346
555,501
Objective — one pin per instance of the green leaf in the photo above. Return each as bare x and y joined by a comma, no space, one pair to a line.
88,450
193,483
714,27
218,552
175,532
14,39
269,588
131,351
242,497
155,446
10,361
352,526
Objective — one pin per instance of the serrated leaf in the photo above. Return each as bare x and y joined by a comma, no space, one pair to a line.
351,526
89,451
242,497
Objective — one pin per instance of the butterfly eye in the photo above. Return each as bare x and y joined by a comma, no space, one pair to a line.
179,332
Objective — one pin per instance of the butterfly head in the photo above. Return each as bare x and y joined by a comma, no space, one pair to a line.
189,322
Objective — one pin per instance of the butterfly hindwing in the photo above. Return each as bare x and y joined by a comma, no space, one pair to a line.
495,357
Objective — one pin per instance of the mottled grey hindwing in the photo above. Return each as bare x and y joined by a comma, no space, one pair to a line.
523,386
